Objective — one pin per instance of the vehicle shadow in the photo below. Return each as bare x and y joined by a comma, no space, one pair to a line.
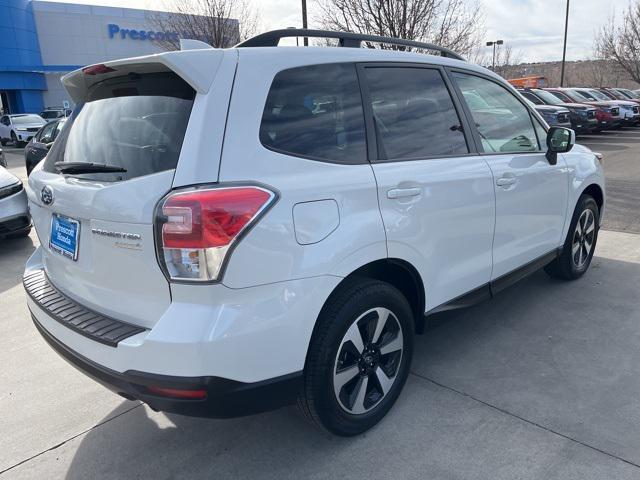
563,355
13,255
604,147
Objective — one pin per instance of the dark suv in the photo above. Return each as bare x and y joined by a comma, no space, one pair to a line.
582,116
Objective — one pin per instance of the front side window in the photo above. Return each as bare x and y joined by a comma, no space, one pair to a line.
414,114
316,112
503,122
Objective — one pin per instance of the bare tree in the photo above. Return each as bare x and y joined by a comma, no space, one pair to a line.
621,44
456,24
220,23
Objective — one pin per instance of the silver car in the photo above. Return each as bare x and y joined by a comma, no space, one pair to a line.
14,215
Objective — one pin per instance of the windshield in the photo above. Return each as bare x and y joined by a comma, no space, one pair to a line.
581,94
598,95
26,119
549,98
136,122
49,114
531,98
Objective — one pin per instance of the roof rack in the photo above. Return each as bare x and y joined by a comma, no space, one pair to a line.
346,39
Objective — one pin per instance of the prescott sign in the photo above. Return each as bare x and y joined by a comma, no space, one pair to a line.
116,32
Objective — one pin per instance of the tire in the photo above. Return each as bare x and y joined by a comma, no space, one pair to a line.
3,142
578,248
20,234
14,139
333,357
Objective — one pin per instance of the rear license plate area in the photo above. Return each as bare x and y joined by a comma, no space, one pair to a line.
65,235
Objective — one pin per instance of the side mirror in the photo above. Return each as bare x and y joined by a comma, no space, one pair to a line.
559,140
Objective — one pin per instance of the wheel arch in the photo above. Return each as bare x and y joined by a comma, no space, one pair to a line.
399,273
595,191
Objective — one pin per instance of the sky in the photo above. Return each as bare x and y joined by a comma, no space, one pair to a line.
533,28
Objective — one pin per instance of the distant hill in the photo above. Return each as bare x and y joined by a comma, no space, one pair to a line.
584,73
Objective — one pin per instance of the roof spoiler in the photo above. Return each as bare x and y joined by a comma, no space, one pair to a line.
196,66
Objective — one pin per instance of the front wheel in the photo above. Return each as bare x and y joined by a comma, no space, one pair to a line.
359,357
580,243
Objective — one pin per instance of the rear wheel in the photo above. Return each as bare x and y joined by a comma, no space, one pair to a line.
3,142
580,243
359,357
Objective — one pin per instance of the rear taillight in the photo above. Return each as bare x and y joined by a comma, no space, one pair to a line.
197,228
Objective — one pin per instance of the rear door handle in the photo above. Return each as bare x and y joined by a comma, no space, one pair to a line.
403,192
506,181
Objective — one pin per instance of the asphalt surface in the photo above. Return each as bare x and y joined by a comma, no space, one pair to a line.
543,382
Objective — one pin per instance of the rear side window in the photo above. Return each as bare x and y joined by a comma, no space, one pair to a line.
316,112
136,122
413,113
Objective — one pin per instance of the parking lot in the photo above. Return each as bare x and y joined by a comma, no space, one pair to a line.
542,382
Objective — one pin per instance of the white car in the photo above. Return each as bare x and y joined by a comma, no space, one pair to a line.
19,128
14,215
226,231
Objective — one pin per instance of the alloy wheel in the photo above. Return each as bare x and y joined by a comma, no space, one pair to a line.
368,360
583,238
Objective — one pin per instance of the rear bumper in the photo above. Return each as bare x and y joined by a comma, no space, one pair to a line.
246,347
224,398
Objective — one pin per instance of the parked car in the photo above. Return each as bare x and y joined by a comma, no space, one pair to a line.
3,160
583,117
298,261
52,113
629,111
39,145
630,94
554,116
608,115
19,128
614,94
14,215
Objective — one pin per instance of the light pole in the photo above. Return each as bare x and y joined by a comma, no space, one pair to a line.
304,20
564,48
493,44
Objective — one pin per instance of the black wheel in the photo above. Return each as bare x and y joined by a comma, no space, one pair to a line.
358,358
3,142
14,140
580,243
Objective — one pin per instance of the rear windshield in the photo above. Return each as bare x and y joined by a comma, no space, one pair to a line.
136,122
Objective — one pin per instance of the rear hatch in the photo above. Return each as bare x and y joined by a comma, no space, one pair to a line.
96,227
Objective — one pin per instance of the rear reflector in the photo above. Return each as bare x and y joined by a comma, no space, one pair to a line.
177,393
200,225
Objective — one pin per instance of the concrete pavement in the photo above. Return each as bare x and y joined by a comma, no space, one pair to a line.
543,382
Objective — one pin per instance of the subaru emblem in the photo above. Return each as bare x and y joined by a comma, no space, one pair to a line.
47,195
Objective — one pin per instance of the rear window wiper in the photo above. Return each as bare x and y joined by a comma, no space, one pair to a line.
87,167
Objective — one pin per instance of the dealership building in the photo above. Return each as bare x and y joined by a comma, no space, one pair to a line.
40,41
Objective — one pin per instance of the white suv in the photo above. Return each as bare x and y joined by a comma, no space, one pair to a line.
226,231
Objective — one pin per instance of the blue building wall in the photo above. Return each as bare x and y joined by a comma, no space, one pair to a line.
20,60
